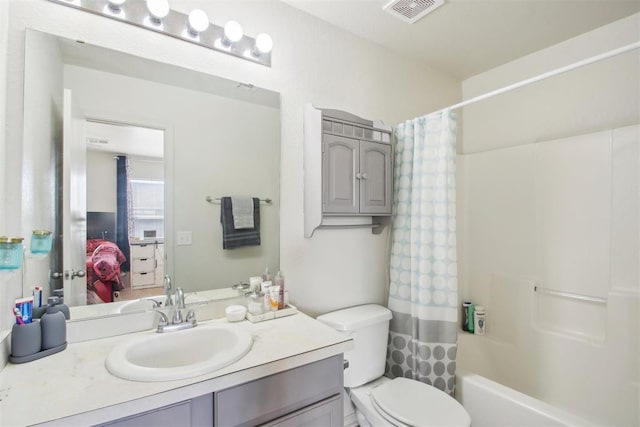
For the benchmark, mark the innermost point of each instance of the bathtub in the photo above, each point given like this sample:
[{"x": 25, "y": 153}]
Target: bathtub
[{"x": 492, "y": 404}]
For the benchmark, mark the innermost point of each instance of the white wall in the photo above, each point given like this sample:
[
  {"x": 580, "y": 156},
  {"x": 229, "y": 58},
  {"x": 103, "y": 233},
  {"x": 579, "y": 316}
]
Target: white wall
[
  {"x": 551, "y": 185},
  {"x": 5, "y": 295},
  {"x": 29, "y": 165},
  {"x": 312, "y": 62},
  {"x": 101, "y": 182}
]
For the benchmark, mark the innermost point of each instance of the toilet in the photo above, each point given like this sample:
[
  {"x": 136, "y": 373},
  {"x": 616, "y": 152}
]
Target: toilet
[{"x": 378, "y": 400}]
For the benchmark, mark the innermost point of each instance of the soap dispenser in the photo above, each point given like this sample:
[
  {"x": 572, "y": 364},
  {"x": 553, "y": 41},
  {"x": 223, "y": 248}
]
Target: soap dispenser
[{"x": 54, "y": 325}]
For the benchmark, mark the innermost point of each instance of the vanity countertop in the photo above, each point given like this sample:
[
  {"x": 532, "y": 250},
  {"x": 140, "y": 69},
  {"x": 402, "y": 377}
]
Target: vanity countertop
[{"x": 73, "y": 387}]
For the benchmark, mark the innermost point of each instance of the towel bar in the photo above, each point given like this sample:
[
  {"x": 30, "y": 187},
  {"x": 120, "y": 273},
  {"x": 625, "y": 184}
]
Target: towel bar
[
  {"x": 570, "y": 295},
  {"x": 217, "y": 199}
]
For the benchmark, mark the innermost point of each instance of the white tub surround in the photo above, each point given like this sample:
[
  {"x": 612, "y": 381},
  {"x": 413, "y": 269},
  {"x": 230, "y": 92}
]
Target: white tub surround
[
  {"x": 74, "y": 388},
  {"x": 492, "y": 404}
]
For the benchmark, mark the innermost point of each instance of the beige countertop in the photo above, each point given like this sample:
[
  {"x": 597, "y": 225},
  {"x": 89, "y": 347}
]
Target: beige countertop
[{"x": 73, "y": 387}]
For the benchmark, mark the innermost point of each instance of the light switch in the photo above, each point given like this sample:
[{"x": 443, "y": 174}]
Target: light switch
[{"x": 184, "y": 238}]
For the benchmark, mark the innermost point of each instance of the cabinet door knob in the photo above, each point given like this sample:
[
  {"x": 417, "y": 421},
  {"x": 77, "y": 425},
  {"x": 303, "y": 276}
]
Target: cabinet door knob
[
  {"x": 358, "y": 175},
  {"x": 363, "y": 175}
]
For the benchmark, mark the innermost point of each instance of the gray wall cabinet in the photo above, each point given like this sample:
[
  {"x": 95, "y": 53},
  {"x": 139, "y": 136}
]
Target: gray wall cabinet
[{"x": 348, "y": 166}]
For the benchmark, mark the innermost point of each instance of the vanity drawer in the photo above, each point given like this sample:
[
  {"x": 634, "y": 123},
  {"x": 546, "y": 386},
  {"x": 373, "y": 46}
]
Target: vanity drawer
[
  {"x": 275, "y": 396},
  {"x": 143, "y": 251},
  {"x": 143, "y": 264},
  {"x": 143, "y": 279}
]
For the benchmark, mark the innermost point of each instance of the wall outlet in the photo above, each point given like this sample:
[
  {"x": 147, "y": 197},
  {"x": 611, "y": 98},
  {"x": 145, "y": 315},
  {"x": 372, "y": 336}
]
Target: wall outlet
[{"x": 184, "y": 238}]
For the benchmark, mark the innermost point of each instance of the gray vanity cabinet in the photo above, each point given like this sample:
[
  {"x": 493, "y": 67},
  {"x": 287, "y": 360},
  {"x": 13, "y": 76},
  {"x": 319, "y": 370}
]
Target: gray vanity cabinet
[
  {"x": 310, "y": 395},
  {"x": 356, "y": 176},
  {"x": 307, "y": 395}
]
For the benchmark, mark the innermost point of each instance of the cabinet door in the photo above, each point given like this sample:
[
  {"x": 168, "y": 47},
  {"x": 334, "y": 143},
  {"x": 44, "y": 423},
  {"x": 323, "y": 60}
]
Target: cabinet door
[
  {"x": 327, "y": 413},
  {"x": 340, "y": 162},
  {"x": 276, "y": 396},
  {"x": 375, "y": 178}
]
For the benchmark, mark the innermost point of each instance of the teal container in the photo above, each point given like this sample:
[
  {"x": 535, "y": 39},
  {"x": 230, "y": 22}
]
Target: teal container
[
  {"x": 41, "y": 241},
  {"x": 10, "y": 253}
]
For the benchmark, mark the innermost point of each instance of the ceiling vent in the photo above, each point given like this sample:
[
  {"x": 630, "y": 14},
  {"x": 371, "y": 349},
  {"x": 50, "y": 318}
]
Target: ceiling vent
[
  {"x": 411, "y": 10},
  {"x": 96, "y": 141}
]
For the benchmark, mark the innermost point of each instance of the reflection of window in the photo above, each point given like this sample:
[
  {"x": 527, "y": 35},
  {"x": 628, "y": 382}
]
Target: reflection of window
[{"x": 147, "y": 208}]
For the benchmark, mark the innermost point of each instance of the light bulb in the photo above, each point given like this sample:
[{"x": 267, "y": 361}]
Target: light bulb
[
  {"x": 158, "y": 9},
  {"x": 116, "y": 4},
  {"x": 198, "y": 21},
  {"x": 232, "y": 32},
  {"x": 264, "y": 44}
]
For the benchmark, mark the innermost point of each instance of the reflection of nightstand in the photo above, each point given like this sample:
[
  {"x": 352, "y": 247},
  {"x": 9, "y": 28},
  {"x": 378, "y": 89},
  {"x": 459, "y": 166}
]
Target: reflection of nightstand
[{"x": 147, "y": 264}]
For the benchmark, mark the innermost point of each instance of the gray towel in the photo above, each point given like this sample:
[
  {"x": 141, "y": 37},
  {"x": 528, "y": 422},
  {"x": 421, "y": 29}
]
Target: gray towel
[
  {"x": 232, "y": 238},
  {"x": 242, "y": 210}
]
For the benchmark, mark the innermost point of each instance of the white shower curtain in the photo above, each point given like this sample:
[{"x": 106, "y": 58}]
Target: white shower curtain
[{"x": 423, "y": 287}]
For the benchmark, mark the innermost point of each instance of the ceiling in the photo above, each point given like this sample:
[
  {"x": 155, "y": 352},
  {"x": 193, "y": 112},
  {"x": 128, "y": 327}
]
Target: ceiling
[
  {"x": 466, "y": 37},
  {"x": 124, "y": 139}
]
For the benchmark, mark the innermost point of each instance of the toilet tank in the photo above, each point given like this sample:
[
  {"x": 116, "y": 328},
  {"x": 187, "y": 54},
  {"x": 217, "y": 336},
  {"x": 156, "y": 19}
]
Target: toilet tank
[{"x": 368, "y": 325}]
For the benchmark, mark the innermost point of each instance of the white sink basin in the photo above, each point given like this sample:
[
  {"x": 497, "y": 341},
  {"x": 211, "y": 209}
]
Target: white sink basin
[
  {"x": 182, "y": 354},
  {"x": 137, "y": 305},
  {"x": 148, "y": 303}
]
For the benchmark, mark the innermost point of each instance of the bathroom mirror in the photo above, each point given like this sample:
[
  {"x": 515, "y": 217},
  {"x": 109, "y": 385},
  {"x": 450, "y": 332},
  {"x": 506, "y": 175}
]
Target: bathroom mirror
[{"x": 221, "y": 138}]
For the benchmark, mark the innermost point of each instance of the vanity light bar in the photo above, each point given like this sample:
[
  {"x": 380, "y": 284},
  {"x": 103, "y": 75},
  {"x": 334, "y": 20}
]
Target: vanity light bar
[{"x": 152, "y": 15}]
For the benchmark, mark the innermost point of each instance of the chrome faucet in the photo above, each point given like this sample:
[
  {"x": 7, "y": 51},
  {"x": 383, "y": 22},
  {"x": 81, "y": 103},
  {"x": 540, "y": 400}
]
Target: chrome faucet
[
  {"x": 177, "y": 322},
  {"x": 179, "y": 305},
  {"x": 168, "y": 290}
]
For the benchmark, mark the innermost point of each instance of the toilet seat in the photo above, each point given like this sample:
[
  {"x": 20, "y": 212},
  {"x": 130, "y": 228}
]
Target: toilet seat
[{"x": 406, "y": 402}]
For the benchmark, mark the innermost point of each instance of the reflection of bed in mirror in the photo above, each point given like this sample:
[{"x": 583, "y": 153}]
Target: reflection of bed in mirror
[{"x": 103, "y": 258}]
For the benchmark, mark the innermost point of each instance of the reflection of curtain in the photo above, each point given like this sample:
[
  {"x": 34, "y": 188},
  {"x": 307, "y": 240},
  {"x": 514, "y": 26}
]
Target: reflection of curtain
[
  {"x": 122, "y": 212},
  {"x": 423, "y": 275}
]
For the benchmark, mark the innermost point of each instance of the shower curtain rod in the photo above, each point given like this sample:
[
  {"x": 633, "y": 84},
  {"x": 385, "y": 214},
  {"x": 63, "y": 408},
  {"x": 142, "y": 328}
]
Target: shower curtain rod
[{"x": 543, "y": 76}]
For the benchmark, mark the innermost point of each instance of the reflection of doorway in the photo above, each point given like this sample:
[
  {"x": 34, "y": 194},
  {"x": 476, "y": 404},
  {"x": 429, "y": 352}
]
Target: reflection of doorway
[{"x": 125, "y": 208}]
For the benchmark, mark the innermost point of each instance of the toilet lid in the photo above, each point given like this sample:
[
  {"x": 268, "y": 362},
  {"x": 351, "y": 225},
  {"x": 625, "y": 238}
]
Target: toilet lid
[{"x": 418, "y": 404}]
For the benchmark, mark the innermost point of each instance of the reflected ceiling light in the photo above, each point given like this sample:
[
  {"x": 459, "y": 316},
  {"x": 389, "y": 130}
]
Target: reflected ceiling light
[
  {"x": 158, "y": 9},
  {"x": 263, "y": 45},
  {"x": 232, "y": 33},
  {"x": 116, "y": 5},
  {"x": 198, "y": 21}
]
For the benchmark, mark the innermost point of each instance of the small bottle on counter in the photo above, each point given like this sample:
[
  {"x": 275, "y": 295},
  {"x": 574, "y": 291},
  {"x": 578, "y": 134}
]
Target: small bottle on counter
[
  {"x": 465, "y": 315},
  {"x": 279, "y": 281},
  {"x": 264, "y": 288},
  {"x": 266, "y": 276},
  {"x": 54, "y": 325},
  {"x": 254, "y": 283},
  {"x": 479, "y": 320},
  {"x": 471, "y": 317}
]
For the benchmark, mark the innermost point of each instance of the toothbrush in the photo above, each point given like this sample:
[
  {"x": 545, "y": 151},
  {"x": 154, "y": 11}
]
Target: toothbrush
[{"x": 16, "y": 312}]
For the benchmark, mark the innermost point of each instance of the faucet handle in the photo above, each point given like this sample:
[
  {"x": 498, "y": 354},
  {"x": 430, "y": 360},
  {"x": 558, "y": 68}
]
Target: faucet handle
[
  {"x": 191, "y": 317},
  {"x": 164, "y": 320}
]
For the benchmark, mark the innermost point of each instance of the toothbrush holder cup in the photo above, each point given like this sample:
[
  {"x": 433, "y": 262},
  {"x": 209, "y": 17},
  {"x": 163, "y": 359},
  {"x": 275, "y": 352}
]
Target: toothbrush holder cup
[{"x": 26, "y": 339}]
